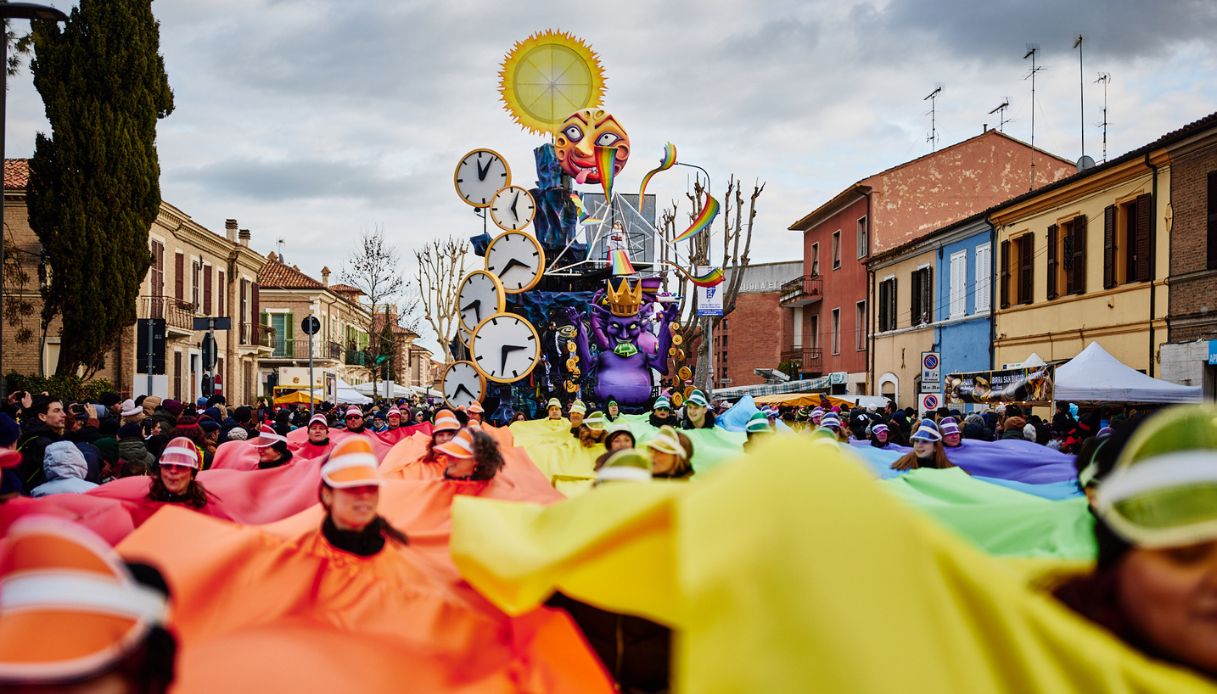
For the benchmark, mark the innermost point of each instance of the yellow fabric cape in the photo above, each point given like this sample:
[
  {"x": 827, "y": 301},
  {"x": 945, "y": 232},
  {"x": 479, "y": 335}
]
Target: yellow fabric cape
[{"x": 790, "y": 570}]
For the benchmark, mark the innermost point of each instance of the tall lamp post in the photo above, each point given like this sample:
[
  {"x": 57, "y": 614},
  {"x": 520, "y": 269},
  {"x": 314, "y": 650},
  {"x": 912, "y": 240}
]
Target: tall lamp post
[{"x": 12, "y": 10}]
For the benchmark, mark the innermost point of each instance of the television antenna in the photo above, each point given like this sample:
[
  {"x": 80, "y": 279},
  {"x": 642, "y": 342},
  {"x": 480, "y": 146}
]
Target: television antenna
[
  {"x": 1105, "y": 78},
  {"x": 1077, "y": 43},
  {"x": 932, "y": 97},
  {"x": 1033, "y": 50},
  {"x": 279, "y": 242},
  {"x": 1001, "y": 114}
]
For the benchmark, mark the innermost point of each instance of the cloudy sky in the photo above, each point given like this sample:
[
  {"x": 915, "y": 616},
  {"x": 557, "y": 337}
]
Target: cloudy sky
[{"x": 313, "y": 120}]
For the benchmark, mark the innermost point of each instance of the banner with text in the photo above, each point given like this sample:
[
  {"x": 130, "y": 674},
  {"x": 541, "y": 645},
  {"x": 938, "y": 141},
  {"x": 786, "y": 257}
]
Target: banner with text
[{"x": 1032, "y": 385}]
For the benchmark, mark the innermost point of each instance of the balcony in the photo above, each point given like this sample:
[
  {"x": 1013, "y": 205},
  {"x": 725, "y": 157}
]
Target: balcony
[
  {"x": 355, "y": 357},
  {"x": 257, "y": 335},
  {"x": 802, "y": 291},
  {"x": 298, "y": 349},
  {"x": 178, "y": 315},
  {"x": 805, "y": 359}
]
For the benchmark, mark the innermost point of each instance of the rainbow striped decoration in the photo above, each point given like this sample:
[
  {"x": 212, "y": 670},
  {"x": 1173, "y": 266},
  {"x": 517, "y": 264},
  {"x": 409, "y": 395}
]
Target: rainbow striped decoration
[
  {"x": 667, "y": 162},
  {"x": 606, "y": 164},
  {"x": 583, "y": 219},
  {"x": 621, "y": 263},
  {"x": 713, "y": 278},
  {"x": 704, "y": 218}
]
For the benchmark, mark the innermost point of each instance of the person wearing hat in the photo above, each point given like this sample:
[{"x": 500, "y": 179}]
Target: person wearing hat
[
  {"x": 671, "y": 452},
  {"x": 272, "y": 449},
  {"x": 661, "y": 413},
  {"x": 104, "y": 634},
  {"x": 593, "y": 430},
  {"x": 951, "y": 437},
  {"x": 471, "y": 456},
  {"x": 831, "y": 421},
  {"x": 619, "y": 437},
  {"x": 758, "y": 426},
  {"x": 697, "y": 412},
  {"x": 64, "y": 468},
  {"x": 393, "y": 418},
  {"x": 354, "y": 420},
  {"x": 612, "y": 410},
  {"x": 577, "y": 412},
  {"x": 1156, "y": 530},
  {"x": 378, "y": 422},
  {"x": 318, "y": 431},
  {"x": 443, "y": 429},
  {"x": 816, "y": 415},
  {"x": 553, "y": 409},
  {"x": 133, "y": 455},
  {"x": 880, "y": 436},
  {"x": 474, "y": 412},
  {"x": 927, "y": 449},
  {"x": 350, "y": 495},
  {"x": 625, "y": 465},
  {"x": 130, "y": 412},
  {"x": 174, "y": 481}
]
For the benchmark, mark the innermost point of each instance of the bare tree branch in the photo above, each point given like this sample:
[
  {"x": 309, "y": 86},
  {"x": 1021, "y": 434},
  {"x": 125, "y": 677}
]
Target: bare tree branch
[
  {"x": 440, "y": 268},
  {"x": 374, "y": 270}
]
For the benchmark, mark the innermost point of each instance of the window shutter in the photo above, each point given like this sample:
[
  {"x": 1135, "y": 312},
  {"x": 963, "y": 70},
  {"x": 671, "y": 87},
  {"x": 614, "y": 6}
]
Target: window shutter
[
  {"x": 915, "y": 298},
  {"x": 289, "y": 327},
  {"x": 1144, "y": 242},
  {"x": 179, "y": 276},
  {"x": 1078, "y": 229},
  {"x": 1109, "y": 247},
  {"x": 884, "y": 292},
  {"x": 1026, "y": 278},
  {"x": 207, "y": 290},
  {"x": 1052, "y": 269},
  {"x": 1005, "y": 274},
  {"x": 255, "y": 301},
  {"x": 927, "y": 300},
  {"x": 222, "y": 288},
  {"x": 892, "y": 316},
  {"x": 1212, "y": 221}
]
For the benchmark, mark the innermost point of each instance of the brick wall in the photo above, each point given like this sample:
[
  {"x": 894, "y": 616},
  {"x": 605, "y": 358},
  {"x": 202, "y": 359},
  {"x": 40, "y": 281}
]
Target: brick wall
[
  {"x": 1193, "y": 288},
  {"x": 756, "y": 331}
]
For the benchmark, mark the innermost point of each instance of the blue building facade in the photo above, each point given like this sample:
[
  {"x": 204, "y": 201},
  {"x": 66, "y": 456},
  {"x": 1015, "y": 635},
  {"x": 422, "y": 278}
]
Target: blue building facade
[{"x": 965, "y": 293}]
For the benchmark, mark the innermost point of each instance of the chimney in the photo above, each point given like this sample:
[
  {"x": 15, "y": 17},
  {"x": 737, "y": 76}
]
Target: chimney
[
  {"x": 230, "y": 229},
  {"x": 272, "y": 257},
  {"x": 244, "y": 236},
  {"x": 325, "y": 275}
]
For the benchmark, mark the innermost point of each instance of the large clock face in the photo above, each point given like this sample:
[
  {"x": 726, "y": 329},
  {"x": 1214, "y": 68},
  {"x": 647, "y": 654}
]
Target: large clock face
[
  {"x": 505, "y": 348},
  {"x": 517, "y": 259},
  {"x": 479, "y": 296},
  {"x": 463, "y": 385},
  {"x": 512, "y": 208},
  {"x": 479, "y": 174}
]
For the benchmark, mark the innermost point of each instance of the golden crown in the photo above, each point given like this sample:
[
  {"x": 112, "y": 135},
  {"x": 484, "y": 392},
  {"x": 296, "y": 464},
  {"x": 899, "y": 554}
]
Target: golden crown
[{"x": 624, "y": 300}]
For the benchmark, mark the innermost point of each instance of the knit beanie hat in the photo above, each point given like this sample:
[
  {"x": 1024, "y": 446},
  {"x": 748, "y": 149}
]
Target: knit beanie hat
[{"x": 758, "y": 423}]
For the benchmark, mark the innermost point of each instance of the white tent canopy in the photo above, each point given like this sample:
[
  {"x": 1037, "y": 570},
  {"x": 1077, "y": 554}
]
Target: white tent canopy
[
  {"x": 385, "y": 389},
  {"x": 348, "y": 395},
  {"x": 1096, "y": 376}
]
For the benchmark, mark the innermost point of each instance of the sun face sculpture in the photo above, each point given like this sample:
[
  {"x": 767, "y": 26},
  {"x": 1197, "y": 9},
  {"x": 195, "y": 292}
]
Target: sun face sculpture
[
  {"x": 576, "y": 140},
  {"x": 548, "y": 76}
]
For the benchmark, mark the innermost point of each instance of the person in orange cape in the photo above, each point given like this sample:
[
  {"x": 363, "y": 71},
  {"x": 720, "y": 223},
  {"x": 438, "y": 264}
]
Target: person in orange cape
[
  {"x": 272, "y": 449},
  {"x": 75, "y": 618},
  {"x": 475, "y": 412},
  {"x": 471, "y": 456},
  {"x": 350, "y": 493},
  {"x": 444, "y": 428},
  {"x": 176, "y": 472}
]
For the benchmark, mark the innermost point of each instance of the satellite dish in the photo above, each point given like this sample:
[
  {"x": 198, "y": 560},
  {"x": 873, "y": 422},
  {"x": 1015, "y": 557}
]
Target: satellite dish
[{"x": 1085, "y": 163}]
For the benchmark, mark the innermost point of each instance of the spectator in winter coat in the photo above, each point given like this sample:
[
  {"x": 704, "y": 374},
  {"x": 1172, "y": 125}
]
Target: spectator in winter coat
[
  {"x": 10, "y": 478},
  {"x": 132, "y": 451},
  {"x": 45, "y": 422},
  {"x": 64, "y": 468}
]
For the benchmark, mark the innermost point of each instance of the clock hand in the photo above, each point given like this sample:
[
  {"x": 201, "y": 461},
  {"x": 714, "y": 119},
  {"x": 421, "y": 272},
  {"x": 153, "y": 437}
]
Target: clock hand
[
  {"x": 483, "y": 170},
  {"x": 476, "y": 305},
  {"x": 513, "y": 262},
  {"x": 508, "y": 349},
  {"x": 461, "y": 388},
  {"x": 514, "y": 202}
]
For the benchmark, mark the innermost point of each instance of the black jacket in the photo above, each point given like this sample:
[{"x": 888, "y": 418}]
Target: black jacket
[{"x": 33, "y": 445}]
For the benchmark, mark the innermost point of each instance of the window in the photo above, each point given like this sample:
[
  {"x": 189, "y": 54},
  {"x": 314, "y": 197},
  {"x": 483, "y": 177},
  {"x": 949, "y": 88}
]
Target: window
[
  {"x": 836, "y": 249},
  {"x": 887, "y": 304},
  {"x": 158, "y": 268},
  {"x": 860, "y": 326},
  {"x": 1128, "y": 241},
  {"x": 1067, "y": 257},
  {"x": 1017, "y": 270},
  {"x": 1212, "y": 221},
  {"x": 283, "y": 326},
  {"x": 922, "y": 297},
  {"x": 221, "y": 292},
  {"x": 863, "y": 238},
  {"x": 207, "y": 290},
  {"x": 814, "y": 336},
  {"x": 815, "y": 260},
  {"x": 196, "y": 267},
  {"x": 959, "y": 283},
  {"x": 179, "y": 276},
  {"x": 984, "y": 280},
  {"x": 836, "y": 331}
]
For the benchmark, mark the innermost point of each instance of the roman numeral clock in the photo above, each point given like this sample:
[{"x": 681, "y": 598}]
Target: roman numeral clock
[{"x": 505, "y": 348}]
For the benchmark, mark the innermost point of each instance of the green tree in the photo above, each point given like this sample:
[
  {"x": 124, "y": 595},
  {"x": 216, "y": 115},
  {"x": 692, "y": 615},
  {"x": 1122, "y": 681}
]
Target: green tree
[{"x": 95, "y": 182}]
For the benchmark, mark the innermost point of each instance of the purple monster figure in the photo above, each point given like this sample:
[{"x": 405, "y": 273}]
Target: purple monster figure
[{"x": 627, "y": 352}]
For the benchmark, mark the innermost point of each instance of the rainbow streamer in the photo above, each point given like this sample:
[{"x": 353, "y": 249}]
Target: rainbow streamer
[
  {"x": 667, "y": 162},
  {"x": 713, "y": 278},
  {"x": 606, "y": 160},
  {"x": 704, "y": 218},
  {"x": 583, "y": 219},
  {"x": 621, "y": 263}
]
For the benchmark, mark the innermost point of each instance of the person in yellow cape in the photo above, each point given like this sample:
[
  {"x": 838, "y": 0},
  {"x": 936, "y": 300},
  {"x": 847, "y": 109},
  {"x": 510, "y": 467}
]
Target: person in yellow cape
[
  {"x": 793, "y": 571},
  {"x": 671, "y": 452}
]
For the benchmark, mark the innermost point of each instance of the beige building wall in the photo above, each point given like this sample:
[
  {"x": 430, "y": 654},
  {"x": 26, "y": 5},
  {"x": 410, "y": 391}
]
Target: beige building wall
[
  {"x": 1127, "y": 320},
  {"x": 897, "y": 357}
]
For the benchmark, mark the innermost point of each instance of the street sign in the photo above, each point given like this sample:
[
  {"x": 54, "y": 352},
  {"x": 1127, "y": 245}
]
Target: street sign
[
  {"x": 150, "y": 347},
  {"x": 212, "y": 323},
  {"x": 210, "y": 356},
  {"x": 931, "y": 372},
  {"x": 930, "y": 402},
  {"x": 837, "y": 378},
  {"x": 710, "y": 299},
  {"x": 310, "y": 325}
]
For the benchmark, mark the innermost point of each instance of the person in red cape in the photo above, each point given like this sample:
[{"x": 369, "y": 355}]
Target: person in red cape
[
  {"x": 354, "y": 421},
  {"x": 393, "y": 417},
  {"x": 175, "y": 479},
  {"x": 350, "y": 493},
  {"x": 75, "y": 618},
  {"x": 318, "y": 442},
  {"x": 272, "y": 449},
  {"x": 471, "y": 456}
]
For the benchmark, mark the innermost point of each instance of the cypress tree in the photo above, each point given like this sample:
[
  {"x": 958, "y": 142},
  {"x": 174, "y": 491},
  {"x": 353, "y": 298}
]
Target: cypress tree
[{"x": 94, "y": 187}]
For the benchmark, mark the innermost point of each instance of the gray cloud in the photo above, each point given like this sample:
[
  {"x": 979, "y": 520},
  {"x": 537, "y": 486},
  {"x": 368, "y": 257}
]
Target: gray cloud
[{"x": 294, "y": 179}]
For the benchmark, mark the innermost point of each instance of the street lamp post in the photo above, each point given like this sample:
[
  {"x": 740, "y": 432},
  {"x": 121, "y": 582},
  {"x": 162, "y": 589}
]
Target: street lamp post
[{"x": 13, "y": 10}]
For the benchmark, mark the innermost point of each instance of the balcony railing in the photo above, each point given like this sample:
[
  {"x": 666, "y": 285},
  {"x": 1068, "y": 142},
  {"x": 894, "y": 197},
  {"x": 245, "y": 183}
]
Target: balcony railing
[
  {"x": 802, "y": 291},
  {"x": 257, "y": 334},
  {"x": 298, "y": 349},
  {"x": 804, "y": 358},
  {"x": 356, "y": 357},
  {"x": 177, "y": 314}
]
